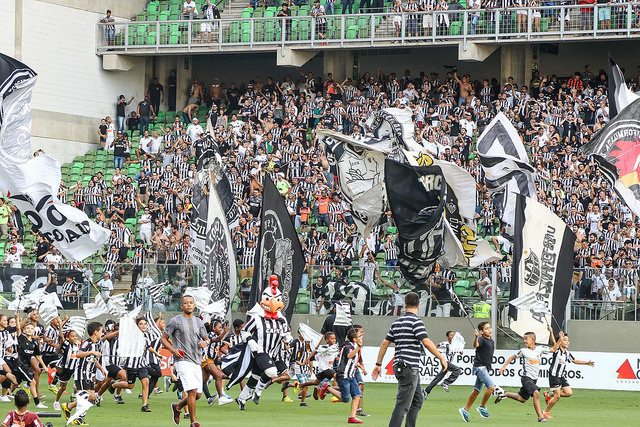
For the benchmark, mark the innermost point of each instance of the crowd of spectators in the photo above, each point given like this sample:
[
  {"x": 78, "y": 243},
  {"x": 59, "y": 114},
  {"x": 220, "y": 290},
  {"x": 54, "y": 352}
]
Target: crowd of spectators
[{"x": 268, "y": 128}]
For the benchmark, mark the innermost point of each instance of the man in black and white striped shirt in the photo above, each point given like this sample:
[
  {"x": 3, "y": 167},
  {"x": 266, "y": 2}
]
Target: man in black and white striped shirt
[{"x": 409, "y": 335}]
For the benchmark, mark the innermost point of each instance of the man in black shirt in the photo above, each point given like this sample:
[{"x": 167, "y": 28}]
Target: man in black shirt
[
  {"x": 171, "y": 94},
  {"x": 118, "y": 152},
  {"x": 156, "y": 94},
  {"x": 42, "y": 249},
  {"x": 144, "y": 112},
  {"x": 120, "y": 112},
  {"x": 233, "y": 95}
]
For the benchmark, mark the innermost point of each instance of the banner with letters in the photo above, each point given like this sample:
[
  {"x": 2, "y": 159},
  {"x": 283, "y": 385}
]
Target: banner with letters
[{"x": 612, "y": 371}]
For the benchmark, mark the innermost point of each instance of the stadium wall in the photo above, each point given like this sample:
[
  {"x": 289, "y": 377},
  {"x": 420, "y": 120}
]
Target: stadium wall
[{"x": 57, "y": 39}]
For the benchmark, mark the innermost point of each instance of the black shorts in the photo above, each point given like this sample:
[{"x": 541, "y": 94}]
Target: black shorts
[
  {"x": 529, "y": 387},
  {"x": 557, "y": 382},
  {"x": 133, "y": 374},
  {"x": 327, "y": 374},
  {"x": 281, "y": 367},
  {"x": 23, "y": 373},
  {"x": 65, "y": 375},
  {"x": 84, "y": 385},
  {"x": 50, "y": 359},
  {"x": 112, "y": 371}
]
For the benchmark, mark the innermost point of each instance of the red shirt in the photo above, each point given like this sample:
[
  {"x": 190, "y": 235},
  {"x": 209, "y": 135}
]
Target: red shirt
[{"x": 27, "y": 419}]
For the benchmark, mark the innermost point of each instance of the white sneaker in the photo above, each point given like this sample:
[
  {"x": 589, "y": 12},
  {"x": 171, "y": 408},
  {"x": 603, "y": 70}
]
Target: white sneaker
[
  {"x": 41, "y": 406},
  {"x": 223, "y": 400},
  {"x": 126, "y": 390},
  {"x": 56, "y": 406},
  {"x": 5, "y": 399}
]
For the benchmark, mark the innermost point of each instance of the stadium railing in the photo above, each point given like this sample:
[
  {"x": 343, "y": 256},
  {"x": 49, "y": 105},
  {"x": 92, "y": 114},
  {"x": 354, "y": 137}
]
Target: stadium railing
[{"x": 545, "y": 23}]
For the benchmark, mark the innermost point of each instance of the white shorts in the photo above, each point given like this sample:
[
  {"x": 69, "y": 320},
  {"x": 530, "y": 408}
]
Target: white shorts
[{"x": 190, "y": 375}]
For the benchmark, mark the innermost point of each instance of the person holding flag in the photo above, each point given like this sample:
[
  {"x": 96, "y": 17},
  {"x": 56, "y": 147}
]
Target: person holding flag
[{"x": 455, "y": 371}]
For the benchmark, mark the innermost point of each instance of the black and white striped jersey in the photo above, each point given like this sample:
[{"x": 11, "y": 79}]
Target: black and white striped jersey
[
  {"x": 68, "y": 361},
  {"x": 7, "y": 343},
  {"x": 52, "y": 334},
  {"x": 155, "y": 344},
  {"x": 86, "y": 366},
  {"x": 559, "y": 362},
  {"x": 347, "y": 367},
  {"x": 109, "y": 350},
  {"x": 268, "y": 333}
]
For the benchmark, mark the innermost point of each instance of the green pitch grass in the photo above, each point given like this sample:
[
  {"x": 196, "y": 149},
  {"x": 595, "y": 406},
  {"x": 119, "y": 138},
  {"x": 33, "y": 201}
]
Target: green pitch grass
[{"x": 585, "y": 408}]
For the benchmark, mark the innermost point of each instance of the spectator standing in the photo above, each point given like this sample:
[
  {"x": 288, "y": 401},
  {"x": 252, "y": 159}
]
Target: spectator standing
[
  {"x": 120, "y": 112},
  {"x": 172, "y": 84},
  {"x": 156, "y": 94},
  {"x": 318, "y": 14},
  {"x": 144, "y": 112},
  {"x": 110, "y": 28},
  {"x": 409, "y": 334}
]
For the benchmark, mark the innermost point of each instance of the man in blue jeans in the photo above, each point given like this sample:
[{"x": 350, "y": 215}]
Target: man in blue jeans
[
  {"x": 409, "y": 335},
  {"x": 118, "y": 151}
]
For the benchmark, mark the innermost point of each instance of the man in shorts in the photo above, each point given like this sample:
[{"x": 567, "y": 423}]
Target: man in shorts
[{"x": 185, "y": 336}]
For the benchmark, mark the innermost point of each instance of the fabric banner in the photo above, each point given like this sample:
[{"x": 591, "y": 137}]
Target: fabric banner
[
  {"x": 417, "y": 204},
  {"x": 616, "y": 149},
  {"x": 130, "y": 338},
  {"x": 506, "y": 166},
  {"x": 612, "y": 371},
  {"x": 212, "y": 246},
  {"x": 620, "y": 96},
  {"x": 35, "y": 194},
  {"x": 38, "y": 279},
  {"x": 543, "y": 263},
  {"x": 279, "y": 250}
]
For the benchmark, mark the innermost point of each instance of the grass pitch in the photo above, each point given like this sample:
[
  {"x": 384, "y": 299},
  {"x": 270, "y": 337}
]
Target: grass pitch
[{"x": 585, "y": 408}]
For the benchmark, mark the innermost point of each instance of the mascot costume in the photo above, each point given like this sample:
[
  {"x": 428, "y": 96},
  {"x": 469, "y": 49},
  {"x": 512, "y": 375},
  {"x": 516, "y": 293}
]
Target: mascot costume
[{"x": 266, "y": 334}]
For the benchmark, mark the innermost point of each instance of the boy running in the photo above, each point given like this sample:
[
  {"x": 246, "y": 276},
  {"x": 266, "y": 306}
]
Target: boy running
[
  {"x": 445, "y": 348},
  {"x": 67, "y": 364},
  {"x": 346, "y": 373},
  {"x": 325, "y": 355},
  {"x": 557, "y": 372},
  {"x": 531, "y": 356},
  {"x": 484, "y": 345},
  {"x": 301, "y": 367}
]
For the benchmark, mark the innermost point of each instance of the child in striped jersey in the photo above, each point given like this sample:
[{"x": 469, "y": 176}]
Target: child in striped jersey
[
  {"x": 212, "y": 361},
  {"x": 67, "y": 364},
  {"x": 9, "y": 342},
  {"x": 558, "y": 370},
  {"x": 301, "y": 367},
  {"x": 325, "y": 356},
  {"x": 346, "y": 373}
]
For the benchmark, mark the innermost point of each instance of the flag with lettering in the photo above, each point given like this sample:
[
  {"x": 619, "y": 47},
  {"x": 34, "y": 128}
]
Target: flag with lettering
[{"x": 543, "y": 265}]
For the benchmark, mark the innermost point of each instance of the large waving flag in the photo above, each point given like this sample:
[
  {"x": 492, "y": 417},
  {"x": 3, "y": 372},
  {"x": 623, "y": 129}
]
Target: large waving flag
[
  {"x": 506, "y": 166},
  {"x": 279, "y": 250},
  {"x": 616, "y": 147},
  {"x": 543, "y": 266},
  {"x": 35, "y": 194},
  {"x": 418, "y": 209}
]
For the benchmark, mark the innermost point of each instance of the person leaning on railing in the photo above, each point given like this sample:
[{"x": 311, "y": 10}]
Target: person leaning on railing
[{"x": 110, "y": 29}]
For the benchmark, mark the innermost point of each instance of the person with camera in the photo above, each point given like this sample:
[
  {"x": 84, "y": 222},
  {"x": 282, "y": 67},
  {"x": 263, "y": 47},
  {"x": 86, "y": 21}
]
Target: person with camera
[{"x": 409, "y": 334}]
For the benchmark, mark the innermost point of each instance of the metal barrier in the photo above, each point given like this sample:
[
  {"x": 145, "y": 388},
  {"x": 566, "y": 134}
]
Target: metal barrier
[{"x": 545, "y": 23}]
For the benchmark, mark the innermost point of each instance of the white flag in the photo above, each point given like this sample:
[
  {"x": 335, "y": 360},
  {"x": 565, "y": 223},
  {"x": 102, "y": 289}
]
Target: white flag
[
  {"x": 48, "y": 309},
  {"x": 35, "y": 196},
  {"x": 78, "y": 324},
  {"x": 533, "y": 302},
  {"x": 343, "y": 314},
  {"x": 216, "y": 309},
  {"x": 18, "y": 286},
  {"x": 130, "y": 338},
  {"x": 201, "y": 295},
  {"x": 457, "y": 343},
  {"x": 95, "y": 309},
  {"x": 117, "y": 305},
  {"x": 309, "y": 334},
  {"x": 82, "y": 406}
]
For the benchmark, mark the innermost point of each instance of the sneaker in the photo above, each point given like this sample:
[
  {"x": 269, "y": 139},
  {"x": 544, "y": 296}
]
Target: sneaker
[
  {"x": 98, "y": 401},
  {"x": 334, "y": 399},
  {"x": 315, "y": 393},
  {"x": 56, "y": 406},
  {"x": 195, "y": 424},
  {"x": 175, "y": 413},
  {"x": 65, "y": 411},
  {"x": 360, "y": 412},
  {"x": 240, "y": 404},
  {"x": 80, "y": 422},
  {"x": 323, "y": 390},
  {"x": 483, "y": 411},
  {"x": 542, "y": 420},
  {"x": 354, "y": 420},
  {"x": 41, "y": 406},
  {"x": 157, "y": 391},
  {"x": 224, "y": 400},
  {"x": 128, "y": 391},
  {"x": 464, "y": 414},
  {"x": 500, "y": 398},
  {"x": 287, "y": 399},
  {"x": 547, "y": 397},
  {"x": 303, "y": 404},
  {"x": 212, "y": 400},
  {"x": 296, "y": 388},
  {"x": 145, "y": 408},
  {"x": 186, "y": 416},
  {"x": 118, "y": 400},
  {"x": 445, "y": 387},
  {"x": 5, "y": 399},
  {"x": 256, "y": 398},
  {"x": 53, "y": 389}
]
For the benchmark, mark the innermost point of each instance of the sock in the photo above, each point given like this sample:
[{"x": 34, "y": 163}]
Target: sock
[{"x": 36, "y": 400}]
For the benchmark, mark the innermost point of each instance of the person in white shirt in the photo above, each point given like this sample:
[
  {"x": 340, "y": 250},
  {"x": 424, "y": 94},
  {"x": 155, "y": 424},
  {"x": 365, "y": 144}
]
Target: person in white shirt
[
  {"x": 189, "y": 9},
  {"x": 610, "y": 295},
  {"x": 145, "y": 227},
  {"x": 105, "y": 285},
  {"x": 111, "y": 134},
  {"x": 531, "y": 356},
  {"x": 194, "y": 130},
  {"x": 53, "y": 257},
  {"x": 153, "y": 144},
  {"x": 13, "y": 258}
]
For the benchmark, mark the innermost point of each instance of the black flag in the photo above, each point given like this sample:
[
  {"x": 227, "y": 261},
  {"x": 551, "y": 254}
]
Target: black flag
[
  {"x": 279, "y": 250},
  {"x": 417, "y": 202}
]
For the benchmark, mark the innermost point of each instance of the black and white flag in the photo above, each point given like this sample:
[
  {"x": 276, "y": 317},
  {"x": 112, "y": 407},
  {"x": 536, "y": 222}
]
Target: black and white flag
[
  {"x": 418, "y": 209},
  {"x": 620, "y": 96},
  {"x": 211, "y": 244},
  {"x": 543, "y": 265},
  {"x": 35, "y": 194},
  {"x": 506, "y": 167},
  {"x": 279, "y": 250}
]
